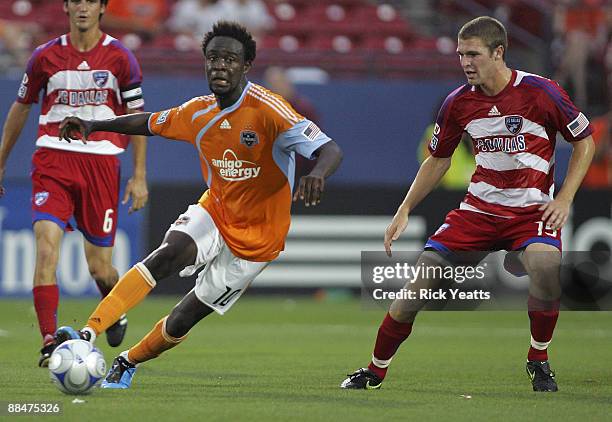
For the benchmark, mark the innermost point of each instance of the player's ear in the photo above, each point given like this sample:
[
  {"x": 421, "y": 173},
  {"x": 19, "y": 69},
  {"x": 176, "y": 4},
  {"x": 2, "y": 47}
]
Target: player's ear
[
  {"x": 247, "y": 67},
  {"x": 65, "y": 7},
  {"x": 499, "y": 52}
]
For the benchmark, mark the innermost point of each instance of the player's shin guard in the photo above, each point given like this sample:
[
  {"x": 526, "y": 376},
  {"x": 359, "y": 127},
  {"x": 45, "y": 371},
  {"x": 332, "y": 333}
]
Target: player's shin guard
[
  {"x": 130, "y": 290},
  {"x": 46, "y": 300},
  {"x": 153, "y": 344},
  {"x": 543, "y": 318},
  {"x": 391, "y": 334}
]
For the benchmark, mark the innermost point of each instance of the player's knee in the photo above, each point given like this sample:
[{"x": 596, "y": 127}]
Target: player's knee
[
  {"x": 46, "y": 255},
  {"x": 178, "y": 323},
  {"x": 401, "y": 315},
  {"x": 168, "y": 259}
]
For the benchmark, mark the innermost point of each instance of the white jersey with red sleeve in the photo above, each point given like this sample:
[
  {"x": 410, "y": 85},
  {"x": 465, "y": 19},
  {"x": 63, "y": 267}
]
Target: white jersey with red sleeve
[
  {"x": 98, "y": 84},
  {"x": 514, "y": 137}
]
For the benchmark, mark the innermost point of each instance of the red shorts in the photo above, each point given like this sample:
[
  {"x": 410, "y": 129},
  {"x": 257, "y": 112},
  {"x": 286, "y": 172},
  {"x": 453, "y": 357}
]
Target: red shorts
[
  {"x": 465, "y": 230},
  {"x": 86, "y": 186}
]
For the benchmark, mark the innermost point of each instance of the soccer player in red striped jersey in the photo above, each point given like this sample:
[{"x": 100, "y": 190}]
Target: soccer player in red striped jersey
[
  {"x": 89, "y": 74},
  {"x": 513, "y": 118}
]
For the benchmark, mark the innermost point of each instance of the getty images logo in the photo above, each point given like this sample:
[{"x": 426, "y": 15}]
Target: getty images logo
[{"x": 234, "y": 170}]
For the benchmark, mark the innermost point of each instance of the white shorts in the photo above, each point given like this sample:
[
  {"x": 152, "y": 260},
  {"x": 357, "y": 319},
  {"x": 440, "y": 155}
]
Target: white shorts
[{"x": 225, "y": 276}]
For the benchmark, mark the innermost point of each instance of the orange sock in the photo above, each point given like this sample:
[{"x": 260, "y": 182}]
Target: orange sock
[
  {"x": 153, "y": 344},
  {"x": 130, "y": 290}
]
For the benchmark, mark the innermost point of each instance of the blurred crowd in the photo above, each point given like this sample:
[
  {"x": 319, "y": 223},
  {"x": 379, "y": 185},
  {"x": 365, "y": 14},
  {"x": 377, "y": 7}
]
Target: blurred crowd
[{"x": 577, "y": 34}]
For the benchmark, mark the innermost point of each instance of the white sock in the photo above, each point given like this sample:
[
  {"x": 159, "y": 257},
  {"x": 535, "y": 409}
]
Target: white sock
[
  {"x": 124, "y": 355},
  {"x": 92, "y": 333}
]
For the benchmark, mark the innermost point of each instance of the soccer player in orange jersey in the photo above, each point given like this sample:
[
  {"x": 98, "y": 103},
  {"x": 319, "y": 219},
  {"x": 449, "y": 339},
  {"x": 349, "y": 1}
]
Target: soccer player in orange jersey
[{"x": 246, "y": 137}]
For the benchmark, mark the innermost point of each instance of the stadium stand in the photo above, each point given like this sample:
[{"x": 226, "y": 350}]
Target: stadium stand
[{"x": 343, "y": 37}]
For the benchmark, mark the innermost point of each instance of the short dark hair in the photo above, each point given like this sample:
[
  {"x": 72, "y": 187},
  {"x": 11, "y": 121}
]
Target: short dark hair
[
  {"x": 488, "y": 29},
  {"x": 236, "y": 31},
  {"x": 105, "y": 2}
]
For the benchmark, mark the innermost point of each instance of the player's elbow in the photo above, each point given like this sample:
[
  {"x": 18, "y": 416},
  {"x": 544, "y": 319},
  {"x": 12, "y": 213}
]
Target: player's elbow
[
  {"x": 332, "y": 150},
  {"x": 586, "y": 147},
  {"x": 441, "y": 164}
]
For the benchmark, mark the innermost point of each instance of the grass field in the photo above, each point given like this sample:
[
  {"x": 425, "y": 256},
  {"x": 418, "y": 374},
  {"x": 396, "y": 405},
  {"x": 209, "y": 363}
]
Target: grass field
[{"x": 282, "y": 359}]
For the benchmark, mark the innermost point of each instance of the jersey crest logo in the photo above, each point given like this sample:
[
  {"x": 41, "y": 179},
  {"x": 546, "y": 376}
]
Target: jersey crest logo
[
  {"x": 514, "y": 124},
  {"x": 249, "y": 138},
  {"x": 100, "y": 78},
  {"x": 40, "y": 198}
]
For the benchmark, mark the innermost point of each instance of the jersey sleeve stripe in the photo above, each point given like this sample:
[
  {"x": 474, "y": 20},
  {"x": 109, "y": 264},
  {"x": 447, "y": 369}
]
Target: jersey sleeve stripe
[
  {"x": 281, "y": 113},
  {"x": 261, "y": 92},
  {"x": 276, "y": 101},
  {"x": 554, "y": 95},
  {"x": 135, "y": 72},
  {"x": 203, "y": 112},
  {"x": 149, "y": 124}
]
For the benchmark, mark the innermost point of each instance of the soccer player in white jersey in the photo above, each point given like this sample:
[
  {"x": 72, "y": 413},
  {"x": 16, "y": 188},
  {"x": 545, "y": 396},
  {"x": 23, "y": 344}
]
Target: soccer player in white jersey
[
  {"x": 89, "y": 74},
  {"x": 513, "y": 118}
]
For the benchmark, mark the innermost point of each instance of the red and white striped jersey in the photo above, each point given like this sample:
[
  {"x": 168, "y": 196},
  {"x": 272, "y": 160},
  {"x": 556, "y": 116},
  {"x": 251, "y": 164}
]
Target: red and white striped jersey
[
  {"x": 514, "y": 137},
  {"x": 94, "y": 85}
]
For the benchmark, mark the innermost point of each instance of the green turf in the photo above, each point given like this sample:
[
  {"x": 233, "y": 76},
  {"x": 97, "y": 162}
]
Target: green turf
[{"x": 279, "y": 359}]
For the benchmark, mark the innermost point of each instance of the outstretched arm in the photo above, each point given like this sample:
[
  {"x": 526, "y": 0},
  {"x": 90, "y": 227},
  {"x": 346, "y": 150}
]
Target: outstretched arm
[
  {"x": 312, "y": 185},
  {"x": 429, "y": 175},
  {"x": 15, "y": 120},
  {"x": 131, "y": 124},
  {"x": 556, "y": 211}
]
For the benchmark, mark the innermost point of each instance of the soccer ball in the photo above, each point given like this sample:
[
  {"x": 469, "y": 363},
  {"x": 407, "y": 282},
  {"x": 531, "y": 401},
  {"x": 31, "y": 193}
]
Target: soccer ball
[{"x": 75, "y": 366}]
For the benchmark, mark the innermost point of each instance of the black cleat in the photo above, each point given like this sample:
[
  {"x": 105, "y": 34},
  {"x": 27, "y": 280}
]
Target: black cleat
[
  {"x": 65, "y": 333},
  {"x": 542, "y": 378},
  {"x": 45, "y": 354},
  {"x": 120, "y": 375},
  {"x": 362, "y": 379},
  {"x": 116, "y": 332}
]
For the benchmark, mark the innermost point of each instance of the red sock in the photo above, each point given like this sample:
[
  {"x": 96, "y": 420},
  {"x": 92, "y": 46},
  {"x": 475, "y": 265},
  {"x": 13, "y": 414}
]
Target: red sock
[
  {"x": 46, "y": 299},
  {"x": 543, "y": 318},
  {"x": 390, "y": 335}
]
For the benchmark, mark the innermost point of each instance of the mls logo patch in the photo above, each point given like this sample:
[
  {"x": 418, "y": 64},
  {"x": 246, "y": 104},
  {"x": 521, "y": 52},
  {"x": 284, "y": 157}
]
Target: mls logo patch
[
  {"x": 433, "y": 144},
  {"x": 40, "y": 198},
  {"x": 249, "y": 138},
  {"x": 163, "y": 116},
  {"x": 183, "y": 219},
  {"x": 442, "y": 228},
  {"x": 514, "y": 124},
  {"x": 100, "y": 77}
]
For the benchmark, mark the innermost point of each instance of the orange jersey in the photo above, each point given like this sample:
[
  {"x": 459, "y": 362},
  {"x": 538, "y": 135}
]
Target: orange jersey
[{"x": 247, "y": 156}]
